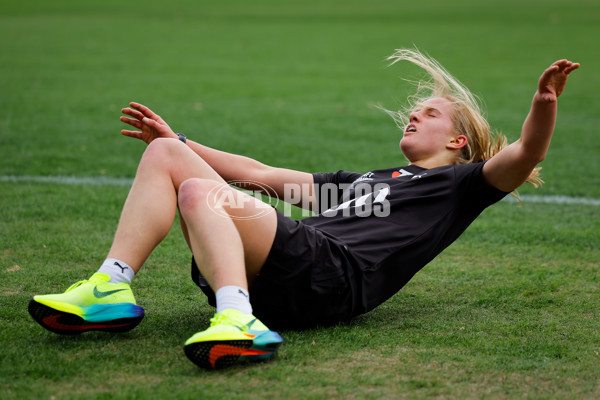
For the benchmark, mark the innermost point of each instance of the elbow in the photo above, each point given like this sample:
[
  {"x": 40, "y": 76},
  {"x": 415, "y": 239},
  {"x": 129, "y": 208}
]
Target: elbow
[
  {"x": 538, "y": 158},
  {"x": 532, "y": 160},
  {"x": 541, "y": 158},
  {"x": 532, "y": 155}
]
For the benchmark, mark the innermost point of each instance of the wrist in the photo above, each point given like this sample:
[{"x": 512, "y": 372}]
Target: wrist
[
  {"x": 181, "y": 137},
  {"x": 545, "y": 97}
]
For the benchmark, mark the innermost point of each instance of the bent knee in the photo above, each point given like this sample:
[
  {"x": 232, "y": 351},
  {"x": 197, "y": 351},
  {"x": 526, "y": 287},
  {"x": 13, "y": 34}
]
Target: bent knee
[
  {"x": 163, "y": 149},
  {"x": 195, "y": 193}
]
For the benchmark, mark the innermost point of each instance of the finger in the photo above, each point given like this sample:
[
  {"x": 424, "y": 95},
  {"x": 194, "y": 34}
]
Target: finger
[
  {"x": 133, "y": 113},
  {"x": 571, "y": 68},
  {"x": 566, "y": 65},
  {"x": 549, "y": 71},
  {"x": 150, "y": 122},
  {"x": 562, "y": 61},
  {"x": 156, "y": 125},
  {"x": 133, "y": 134},
  {"x": 128, "y": 120},
  {"x": 141, "y": 108},
  {"x": 145, "y": 110},
  {"x": 133, "y": 122},
  {"x": 148, "y": 112}
]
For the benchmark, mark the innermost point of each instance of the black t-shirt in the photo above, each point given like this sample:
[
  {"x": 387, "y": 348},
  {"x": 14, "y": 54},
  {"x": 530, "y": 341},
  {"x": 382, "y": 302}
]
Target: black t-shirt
[{"x": 395, "y": 221}]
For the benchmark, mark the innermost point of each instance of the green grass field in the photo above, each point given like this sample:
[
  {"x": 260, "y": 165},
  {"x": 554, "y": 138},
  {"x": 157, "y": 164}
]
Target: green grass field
[{"x": 511, "y": 310}]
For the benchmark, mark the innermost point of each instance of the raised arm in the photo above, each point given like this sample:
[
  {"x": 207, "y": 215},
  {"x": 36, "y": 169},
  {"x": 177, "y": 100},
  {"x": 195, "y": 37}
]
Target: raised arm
[
  {"x": 231, "y": 167},
  {"x": 511, "y": 167}
]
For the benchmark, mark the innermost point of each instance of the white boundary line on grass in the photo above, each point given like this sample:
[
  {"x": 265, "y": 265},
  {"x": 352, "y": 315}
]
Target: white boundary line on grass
[
  {"x": 111, "y": 181},
  {"x": 68, "y": 180},
  {"x": 554, "y": 199}
]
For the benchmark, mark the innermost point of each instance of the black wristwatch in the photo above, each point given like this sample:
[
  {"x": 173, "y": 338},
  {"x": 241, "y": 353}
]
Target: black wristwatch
[{"x": 182, "y": 137}]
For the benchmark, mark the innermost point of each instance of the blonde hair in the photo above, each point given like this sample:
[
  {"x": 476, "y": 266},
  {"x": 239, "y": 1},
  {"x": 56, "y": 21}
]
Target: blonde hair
[{"x": 482, "y": 142}]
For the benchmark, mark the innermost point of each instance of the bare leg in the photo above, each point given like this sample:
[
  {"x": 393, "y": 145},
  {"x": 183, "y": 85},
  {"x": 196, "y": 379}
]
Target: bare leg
[
  {"x": 150, "y": 208},
  {"x": 230, "y": 232}
]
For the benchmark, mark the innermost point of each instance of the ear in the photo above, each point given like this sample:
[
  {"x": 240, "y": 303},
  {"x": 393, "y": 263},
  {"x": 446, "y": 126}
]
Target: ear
[{"x": 457, "y": 142}]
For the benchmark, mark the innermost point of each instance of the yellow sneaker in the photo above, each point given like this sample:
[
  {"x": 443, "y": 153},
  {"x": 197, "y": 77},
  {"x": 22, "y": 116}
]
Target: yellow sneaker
[
  {"x": 232, "y": 336},
  {"x": 93, "y": 304}
]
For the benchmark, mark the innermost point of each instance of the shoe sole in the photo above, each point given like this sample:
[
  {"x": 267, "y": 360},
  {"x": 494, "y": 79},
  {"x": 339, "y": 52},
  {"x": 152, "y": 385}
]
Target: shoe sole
[
  {"x": 65, "y": 323},
  {"x": 224, "y": 353}
]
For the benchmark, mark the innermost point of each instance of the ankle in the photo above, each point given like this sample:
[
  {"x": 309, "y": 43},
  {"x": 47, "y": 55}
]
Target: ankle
[
  {"x": 233, "y": 297},
  {"x": 118, "y": 271}
]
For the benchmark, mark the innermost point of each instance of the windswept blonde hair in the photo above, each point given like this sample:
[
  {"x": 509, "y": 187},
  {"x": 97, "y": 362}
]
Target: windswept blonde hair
[{"x": 482, "y": 142}]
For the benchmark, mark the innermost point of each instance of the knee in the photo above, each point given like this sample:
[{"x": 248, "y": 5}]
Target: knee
[
  {"x": 195, "y": 193},
  {"x": 163, "y": 149}
]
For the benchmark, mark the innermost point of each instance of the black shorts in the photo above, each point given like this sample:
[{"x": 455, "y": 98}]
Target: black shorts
[{"x": 306, "y": 281}]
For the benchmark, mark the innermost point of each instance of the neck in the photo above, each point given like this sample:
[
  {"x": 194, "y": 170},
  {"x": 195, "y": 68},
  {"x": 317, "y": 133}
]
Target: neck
[{"x": 432, "y": 162}]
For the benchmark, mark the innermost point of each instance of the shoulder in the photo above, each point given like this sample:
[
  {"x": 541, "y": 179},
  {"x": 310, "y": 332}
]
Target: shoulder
[
  {"x": 470, "y": 180},
  {"x": 470, "y": 171},
  {"x": 454, "y": 172}
]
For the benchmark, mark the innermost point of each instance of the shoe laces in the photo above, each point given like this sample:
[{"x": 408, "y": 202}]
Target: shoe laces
[
  {"x": 222, "y": 318},
  {"x": 76, "y": 284}
]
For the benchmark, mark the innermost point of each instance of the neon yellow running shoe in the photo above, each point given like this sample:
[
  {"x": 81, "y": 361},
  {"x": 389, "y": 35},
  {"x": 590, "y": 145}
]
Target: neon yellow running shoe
[
  {"x": 93, "y": 304},
  {"x": 232, "y": 335}
]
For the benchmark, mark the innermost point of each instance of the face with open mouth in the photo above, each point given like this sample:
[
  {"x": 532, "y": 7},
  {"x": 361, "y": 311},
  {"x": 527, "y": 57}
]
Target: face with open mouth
[{"x": 430, "y": 131}]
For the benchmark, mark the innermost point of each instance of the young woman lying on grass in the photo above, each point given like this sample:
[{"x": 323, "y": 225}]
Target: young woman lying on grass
[{"x": 370, "y": 233}]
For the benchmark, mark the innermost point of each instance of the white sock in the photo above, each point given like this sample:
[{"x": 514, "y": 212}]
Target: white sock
[
  {"x": 117, "y": 270},
  {"x": 233, "y": 297}
]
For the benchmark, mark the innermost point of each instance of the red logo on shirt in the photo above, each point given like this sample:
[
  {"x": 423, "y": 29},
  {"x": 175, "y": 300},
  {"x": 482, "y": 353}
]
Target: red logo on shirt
[{"x": 401, "y": 172}]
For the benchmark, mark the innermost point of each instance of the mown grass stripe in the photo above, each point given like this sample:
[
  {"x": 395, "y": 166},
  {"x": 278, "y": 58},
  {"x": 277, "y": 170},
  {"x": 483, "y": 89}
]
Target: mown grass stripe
[{"x": 112, "y": 181}]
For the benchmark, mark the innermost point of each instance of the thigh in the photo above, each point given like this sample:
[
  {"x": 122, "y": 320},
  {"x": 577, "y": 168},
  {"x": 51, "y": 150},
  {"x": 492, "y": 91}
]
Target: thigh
[{"x": 255, "y": 221}]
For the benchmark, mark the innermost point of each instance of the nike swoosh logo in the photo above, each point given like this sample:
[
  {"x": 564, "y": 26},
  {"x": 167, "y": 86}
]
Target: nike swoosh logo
[
  {"x": 248, "y": 325},
  {"x": 251, "y": 323},
  {"x": 98, "y": 294},
  {"x": 251, "y": 333}
]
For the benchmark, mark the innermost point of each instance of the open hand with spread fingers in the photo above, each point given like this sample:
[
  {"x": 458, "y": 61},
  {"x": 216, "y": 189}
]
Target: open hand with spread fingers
[{"x": 150, "y": 124}]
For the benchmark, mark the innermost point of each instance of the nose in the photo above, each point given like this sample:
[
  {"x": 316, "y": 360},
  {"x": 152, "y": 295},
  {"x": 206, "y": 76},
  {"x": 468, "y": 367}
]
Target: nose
[{"x": 413, "y": 117}]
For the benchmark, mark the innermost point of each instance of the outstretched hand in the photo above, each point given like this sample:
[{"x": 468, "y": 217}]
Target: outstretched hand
[
  {"x": 553, "y": 80},
  {"x": 151, "y": 125}
]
